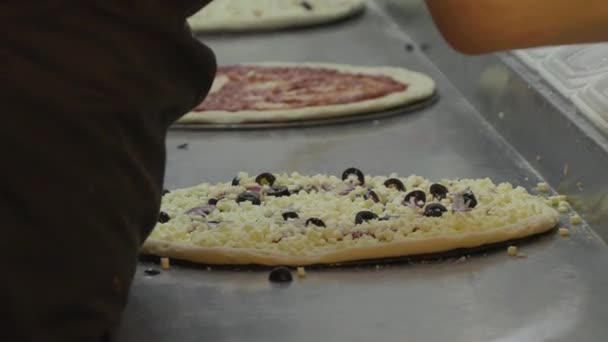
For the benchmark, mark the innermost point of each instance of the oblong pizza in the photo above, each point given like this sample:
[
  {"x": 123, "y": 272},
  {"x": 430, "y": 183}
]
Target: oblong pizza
[
  {"x": 243, "y": 15},
  {"x": 297, "y": 220},
  {"x": 280, "y": 92}
]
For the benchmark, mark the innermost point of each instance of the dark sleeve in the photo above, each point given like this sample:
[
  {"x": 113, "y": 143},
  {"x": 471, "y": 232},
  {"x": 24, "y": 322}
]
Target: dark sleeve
[{"x": 88, "y": 91}]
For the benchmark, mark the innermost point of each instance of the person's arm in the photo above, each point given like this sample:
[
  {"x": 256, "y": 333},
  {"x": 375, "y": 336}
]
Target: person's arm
[{"x": 480, "y": 26}]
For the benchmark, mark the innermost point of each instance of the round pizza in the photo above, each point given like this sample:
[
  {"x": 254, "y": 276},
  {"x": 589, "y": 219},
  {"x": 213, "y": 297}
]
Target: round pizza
[
  {"x": 242, "y": 15},
  {"x": 280, "y": 92},
  {"x": 297, "y": 220}
]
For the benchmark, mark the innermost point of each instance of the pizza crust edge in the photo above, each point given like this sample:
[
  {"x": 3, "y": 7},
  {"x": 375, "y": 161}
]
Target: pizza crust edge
[
  {"x": 420, "y": 87},
  {"x": 279, "y": 21},
  {"x": 530, "y": 226}
]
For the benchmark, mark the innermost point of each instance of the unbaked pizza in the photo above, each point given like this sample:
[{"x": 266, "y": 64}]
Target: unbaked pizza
[
  {"x": 281, "y": 92},
  {"x": 297, "y": 220},
  {"x": 243, "y": 15}
]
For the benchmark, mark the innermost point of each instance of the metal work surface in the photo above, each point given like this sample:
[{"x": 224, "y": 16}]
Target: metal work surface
[{"x": 556, "y": 293}]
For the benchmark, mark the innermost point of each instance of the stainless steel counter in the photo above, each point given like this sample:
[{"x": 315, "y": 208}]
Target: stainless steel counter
[{"x": 556, "y": 293}]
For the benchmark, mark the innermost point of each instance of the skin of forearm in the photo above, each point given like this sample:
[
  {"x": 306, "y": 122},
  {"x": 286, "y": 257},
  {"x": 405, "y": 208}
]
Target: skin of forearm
[{"x": 480, "y": 26}]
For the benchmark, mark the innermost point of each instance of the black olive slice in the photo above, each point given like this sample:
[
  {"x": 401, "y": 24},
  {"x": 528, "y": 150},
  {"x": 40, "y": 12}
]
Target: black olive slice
[
  {"x": 165, "y": 191},
  {"x": 364, "y": 216},
  {"x": 469, "y": 199},
  {"x": 395, "y": 184},
  {"x": 438, "y": 191},
  {"x": 252, "y": 197},
  {"x": 236, "y": 181},
  {"x": 278, "y": 191},
  {"x": 280, "y": 275},
  {"x": 163, "y": 217},
  {"x": 372, "y": 195},
  {"x": 306, "y": 5},
  {"x": 265, "y": 178},
  {"x": 212, "y": 201},
  {"x": 418, "y": 197},
  {"x": 434, "y": 210},
  {"x": 290, "y": 215},
  {"x": 151, "y": 271},
  {"x": 315, "y": 221},
  {"x": 356, "y": 172}
]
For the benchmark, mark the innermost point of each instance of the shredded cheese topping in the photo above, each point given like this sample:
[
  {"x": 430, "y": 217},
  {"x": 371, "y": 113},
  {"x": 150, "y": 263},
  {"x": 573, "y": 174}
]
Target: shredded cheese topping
[{"x": 245, "y": 225}]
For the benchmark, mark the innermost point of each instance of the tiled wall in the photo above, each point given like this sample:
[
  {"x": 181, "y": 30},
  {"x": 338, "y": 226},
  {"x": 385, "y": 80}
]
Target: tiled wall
[{"x": 578, "y": 72}]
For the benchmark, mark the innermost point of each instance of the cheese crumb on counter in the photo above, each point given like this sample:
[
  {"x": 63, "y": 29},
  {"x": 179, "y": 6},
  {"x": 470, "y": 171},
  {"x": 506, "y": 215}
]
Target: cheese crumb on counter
[
  {"x": 564, "y": 232},
  {"x": 575, "y": 219},
  {"x": 542, "y": 187},
  {"x": 301, "y": 272},
  {"x": 512, "y": 251},
  {"x": 164, "y": 263}
]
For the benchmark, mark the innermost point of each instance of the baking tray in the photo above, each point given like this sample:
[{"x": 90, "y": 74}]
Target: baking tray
[
  {"x": 315, "y": 122},
  {"x": 556, "y": 293}
]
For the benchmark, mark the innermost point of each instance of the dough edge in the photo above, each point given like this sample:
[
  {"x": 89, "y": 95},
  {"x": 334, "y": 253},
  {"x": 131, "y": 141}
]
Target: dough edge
[
  {"x": 533, "y": 225},
  {"x": 234, "y": 24},
  {"x": 420, "y": 87}
]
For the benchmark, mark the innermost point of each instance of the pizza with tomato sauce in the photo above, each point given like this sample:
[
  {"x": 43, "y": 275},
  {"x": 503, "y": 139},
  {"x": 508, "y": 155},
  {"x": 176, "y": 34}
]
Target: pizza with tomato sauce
[{"x": 283, "y": 92}]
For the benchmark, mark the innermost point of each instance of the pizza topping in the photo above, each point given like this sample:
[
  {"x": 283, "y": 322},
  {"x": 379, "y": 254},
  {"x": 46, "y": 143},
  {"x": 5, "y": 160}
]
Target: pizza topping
[
  {"x": 236, "y": 181},
  {"x": 165, "y": 263},
  {"x": 165, "y": 191},
  {"x": 371, "y": 195},
  {"x": 364, "y": 216},
  {"x": 415, "y": 199},
  {"x": 512, "y": 250},
  {"x": 307, "y": 6},
  {"x": 278, "y": 191},
  {"x": 212, "y": 201},
  {"x": 434, "y": 210},
  {"x": 163, "y": 217},
  {"x": 204, "y": 210},
  {"x": 464, "y": 201},
  {"x": 394, "y": 183},
  {"x": 438, "y": 191},
  {"x": 265, "y": 179},
  {"x": 315, "y": 221},
  {"x": 350, "y": 172},
  {"x": 248, "y": 196},
  {"x": 575, "y": 219},
  {"x": 269, "y": 88},
  {"x": 290, "y": 215},
  {"x": 564, "y": 232},
  {"x": 274, "y": 226},
  {"x": 280, "y": 275}
]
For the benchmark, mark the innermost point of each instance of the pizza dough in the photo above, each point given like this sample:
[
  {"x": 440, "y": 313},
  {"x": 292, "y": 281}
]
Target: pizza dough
[
  {"x": 280, "y": 92},
  {"x": 242, "y": 15},
  {"x": 298, "y": 220}
]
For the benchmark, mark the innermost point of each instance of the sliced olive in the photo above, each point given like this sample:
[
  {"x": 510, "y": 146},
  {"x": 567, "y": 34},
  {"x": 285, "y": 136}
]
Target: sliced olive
[
  {"x": 247, "y": 196},
  {"x": 236, "y": 181},
  {"x": 306, "y": 5},
  {"x": 438, "y": 191},
  {"x": 372, "y": 195},
  {"x": 212, "y": 201},
  {"x": 151, "y": 271},
  {"x": 434, "y": 210},
  {"x": 469, "y": 199},
  {"x": 356, "y": 172},
  {"x": 356, "y": 235},
  {"x": 278, "y": 191},
  {"x": 163, "y": 217},
  {"x": 290, "y": 215},
  {"x": 418, "y": 197},
  {"x": 280, "y": 275},
  {"x": 165, "y": 191},
  {"x": 395, "y": 184},
  {"x": 315, "y": 221},
  {"x": 265, "y": 179},
  {"x": 364, "y": 216}
]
